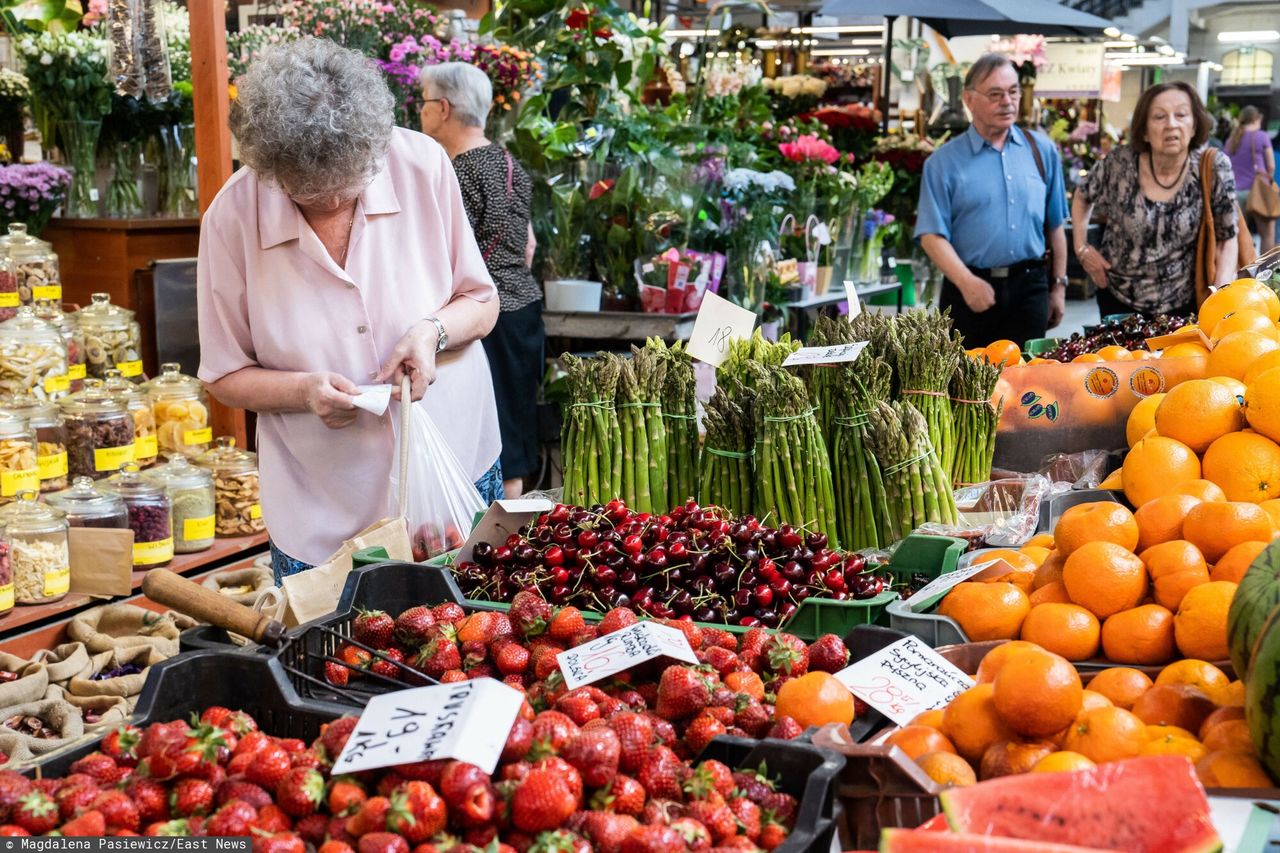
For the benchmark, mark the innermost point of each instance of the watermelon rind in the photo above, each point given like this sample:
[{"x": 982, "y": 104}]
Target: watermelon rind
[
  {"x": 1256, "y": 598},
  {"x": 1142, "y": 805},
  {"x": 914, "y": 841},
  {"x": 1262, "y": 695}
]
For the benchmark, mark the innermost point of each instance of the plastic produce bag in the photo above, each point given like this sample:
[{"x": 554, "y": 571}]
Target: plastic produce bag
[
  {"x": 1083, "y": 470},
  {"x": 441, "y": 502},
  {"x": 1002, "y": 513}
]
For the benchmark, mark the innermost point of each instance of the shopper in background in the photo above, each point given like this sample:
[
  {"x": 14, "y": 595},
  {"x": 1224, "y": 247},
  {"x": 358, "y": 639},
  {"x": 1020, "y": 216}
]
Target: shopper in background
[
  {"x": 1150, "y": 192},
  {"x": 1251, "y": 155},
  {"x": 340, "y": 255},
  {"x": 456, "y": 99},
  {"x": 989, "y": 199}
]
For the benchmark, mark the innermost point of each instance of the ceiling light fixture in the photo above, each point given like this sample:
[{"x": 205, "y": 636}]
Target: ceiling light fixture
[
  {"x": 852, "y": 51},
  {"x": 1249, "y": 36},
  {"x": 808, "y": 31}
]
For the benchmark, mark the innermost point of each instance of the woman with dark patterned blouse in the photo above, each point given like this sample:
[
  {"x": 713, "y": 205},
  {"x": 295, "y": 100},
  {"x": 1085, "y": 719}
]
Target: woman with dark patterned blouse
[
  {"x": 456, "y": 99},
  {"x": 1150, "y": 193}
]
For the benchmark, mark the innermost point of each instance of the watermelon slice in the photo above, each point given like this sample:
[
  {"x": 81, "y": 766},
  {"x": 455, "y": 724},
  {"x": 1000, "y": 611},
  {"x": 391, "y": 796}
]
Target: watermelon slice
[
  {"x": 911, "y": 841},
  {"x": 1143, "y": 805},
  {"x": 1255, "y": 599}
]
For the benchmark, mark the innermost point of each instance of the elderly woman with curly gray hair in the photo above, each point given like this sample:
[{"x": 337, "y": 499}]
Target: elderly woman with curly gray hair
[{"x": 340, "y": 255}]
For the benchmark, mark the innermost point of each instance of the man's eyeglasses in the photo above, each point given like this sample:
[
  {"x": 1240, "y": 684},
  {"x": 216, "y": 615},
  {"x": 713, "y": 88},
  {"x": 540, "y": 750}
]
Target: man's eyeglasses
[
  {"x": 995, "y": 96},
  {"x": 433, "y": 100}
]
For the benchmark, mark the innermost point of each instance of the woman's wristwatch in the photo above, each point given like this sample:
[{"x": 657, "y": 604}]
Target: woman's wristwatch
[{"x": 442, "y": 337}]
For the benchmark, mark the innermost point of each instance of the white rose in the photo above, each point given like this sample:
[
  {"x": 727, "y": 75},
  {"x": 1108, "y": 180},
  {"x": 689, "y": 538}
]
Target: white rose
[{"x": 46, "y": 59}]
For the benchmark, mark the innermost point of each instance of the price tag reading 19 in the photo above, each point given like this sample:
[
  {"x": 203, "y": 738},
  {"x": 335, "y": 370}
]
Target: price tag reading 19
[{"x": 621, "y": 650}]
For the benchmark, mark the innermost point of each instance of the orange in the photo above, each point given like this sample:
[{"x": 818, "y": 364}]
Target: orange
[
  {"x": 1037, "y": 693},
  {"x": 1229, "y": 299},
  {"x": 1175, "y": 567},
  {"x": 1217, "y": 527},
  {"x": 1106, "y": 734},
  {"x": 1202, "y": 674},
  {"x": 1105, "y": 577},
  {"x": 1202, "y": 489},
  {"x": 1245, "y": 465},
  {"x": 1062, "y": 762},
  {"x": 1222, "y": 715},
  {"x": 1268, "y": 296},
  {"x": 1236, "y": 562},
  {"x": 1098, "y": 521},
  {"x": 1035, "y": 554},
  {"x": 1115, "y": 353},
  {"x": 1041, "y": 540},
  {"x": 1003, "y": 352},
  {"x": 1232, "y": 735},
  {"x": 1244, "y": 320},
  {"x": 1016, "y": 559},
  {"x": 972, "y": 724},
  {"x": 1273, "y": 509},
  {"x": 986, "y": 611},
  {"x": 1186, "y": 349},
  {"x": 1142, "y": 635},
  {"x": 1093, "y": 699},
  {"x": 1050, "y": 571},
  {"x": 1262, "y": 403},
  {"x": 1232, "y": 770},
  {"x": 1086, "y": 357},
  {"x": 976, "y": 352},
  {"x": 1197, "y": 412},
  {"x": 993, "y": 660},
  {"x": 1013, "y": 758},
  {"x": 1122, "y": 685},
  {"x": 1141, "y": 354},
  {"x": 915, "y": 741},
  {"x": 1114, "y": 480},
  {"x": 815, "y": 699},
  {"x": 1161, "y": 520},
  {"x": 745, "y": 682},
  {"x": 1170, "y": 745},
  {"x": 1233, "y": 355},
  {"x": 932, "y": 719},
  {"x": 1021, "y": 579},
  {"x": 1051, "y": 593},
  {"x": 1142, "y": 418},
  {"x": 1232, "y": 695},
  {"x": 947, "y": 768},
  {"x": 1259, "y": 367},
  {"x": 1064, "y": 629},
  {"x": 1159, "y": 731},
  {"x": 1181, "y": 705},
  {"x": 1156, "y": 466},
  {"x": 1200, "y": 626}
]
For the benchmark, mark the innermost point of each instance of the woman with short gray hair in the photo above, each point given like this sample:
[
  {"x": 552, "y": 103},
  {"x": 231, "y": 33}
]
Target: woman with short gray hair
[
  {"x": 456, "y": 99},
  {"x": 339, "y": 255}
]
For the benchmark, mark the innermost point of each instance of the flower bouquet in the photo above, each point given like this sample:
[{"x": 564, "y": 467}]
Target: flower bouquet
[
  {"x": 14, "y": 92},
  {"x": 749, "y": 219},
  {"x": 244, "y": 46},
  {"x": 853, "y": 127},
  {"x": 794, "y": 94},
  {"x": 877, "y": 228},
  {"x": 904, "y": 154},
  {"x": 30, "y": 194}
]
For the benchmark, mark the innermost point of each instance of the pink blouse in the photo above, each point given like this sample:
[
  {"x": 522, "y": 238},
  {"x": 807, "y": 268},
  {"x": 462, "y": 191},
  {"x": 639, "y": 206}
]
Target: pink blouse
[{"x": 270, "y": 296}]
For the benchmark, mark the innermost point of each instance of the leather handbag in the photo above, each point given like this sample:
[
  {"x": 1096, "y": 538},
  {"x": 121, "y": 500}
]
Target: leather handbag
[
  {"x": 1263, "y": 201},
  {"x": 1206, "y": 260}
]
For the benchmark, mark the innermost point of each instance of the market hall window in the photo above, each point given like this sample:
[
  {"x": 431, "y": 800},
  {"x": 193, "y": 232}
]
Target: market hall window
[{"x": 1247, "y": 66}]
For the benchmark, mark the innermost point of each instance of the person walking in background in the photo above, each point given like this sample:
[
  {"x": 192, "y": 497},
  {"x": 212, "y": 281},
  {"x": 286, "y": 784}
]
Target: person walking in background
[
  {"x": 1250, "y": 150},
  {"x": 991, "y": 203},
  {"x": 456, "y": 99}
]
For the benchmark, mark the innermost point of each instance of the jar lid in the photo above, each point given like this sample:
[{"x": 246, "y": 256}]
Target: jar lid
[
  {"x": 172, "y": 382},
  {"x": 102, "y": 314},
  {"x": 130, "y": 483},
  {"x": 39, "y": 413},
  {"x": 224, "y": 456},
  {"x": 93, "y": 399},
  {"x": 122, "y": 389},
  {"x": 179, "y": 473},
  {"x": 50, "y": 310},
  {"x": 12, "y": 424},
  {"x": 22, "y": 242},
  {"x": 26, "y": 326},
  {"x": 84, "y": 500},
  {"x": 26, "y": 514}
]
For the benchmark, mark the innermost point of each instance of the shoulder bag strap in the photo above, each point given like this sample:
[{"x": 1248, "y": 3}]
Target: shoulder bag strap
[
  {"x": 497, "y": 238},
  {"x": 1206, "y": 239},
  {"x": 1035, "y": 152}
]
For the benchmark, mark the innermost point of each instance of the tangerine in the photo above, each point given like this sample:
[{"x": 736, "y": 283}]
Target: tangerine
[
  {"x": 1221, "y": 715},
  {"x": 1224, "y": 769},
  {"x": 1236, "y": 562},
  {"x": 1231, "y": 735},
  {"x": 1041, "y": 540},
  {"x": 993, "y": 660},
  {"x": 815, "y": 699},
  {"x": 1012, "y": 757},
  {"x": 1232, "y": 696},
  {"x": 1244, "y": 320},
  {"x": 1122, "y": 684},
  {"x": 1215, "y": 527},
  {"x": 1115, "y": 353},
  {"x": 1268, "y": 296},
  {"x": 947, "y": 769},
  {"x": 1205, "y": 490},
  {"x": 916, "y": 741},
  {"x": 1052, "y": 593},
  {"x": 1175, "y": 567},
  {"x": 1017, "y": 560},
  {"x": 971, "y": 723},
  {"x": 1085, "y": 357},
  {"x": 1142, "y": 418},
  {"x": 1037, "y": 693},
  {"x": 1035, "y": 554},
  {"x": 1202, "y": 674},
  {"x": 1105, "y": 577},
  {"x": 1156, "y": 466},
  {"x": 1106, "y": 734},
  {"x": 1200, "y": 626},
  {"x": 1161, "y": 520},
  {"x": 1050, "y": 571},
  {"x": 1063, "y": 629},
  {"x": 933, "y": 719},
  {"x": 1142, "y": 635},
  {"x": 986, "y": 611},
  {"x": 1246, "y": 465},
  {"x": 1170, "y": 745},
  {"x": 1093, "y": 699},
  {"x": 1003, "y": 352},
  {"x": 1181, "y": 705},
  {"x": 1097, "y": 521},
  {"x": 1229, "y": 299},
  {"x": 1258, "y": 368},
  {"x": 1063, "y": 762},
  {"x": 1262, "y": 403},
  {"x": 1198, "y": 412},
  {"x": 1232, "y": 355},
  {"x": 1186, "y": 349},
  {"x": 1158, "y": 731}
]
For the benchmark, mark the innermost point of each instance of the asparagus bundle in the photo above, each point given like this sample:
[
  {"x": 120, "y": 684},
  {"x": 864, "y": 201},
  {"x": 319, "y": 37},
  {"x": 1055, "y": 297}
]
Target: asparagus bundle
[
  {"x": 743, "y": 353},
  {"x": 975, "y": 420},
  {"x": 925, "y": 356},
  {"x": 793, "y": 470},
  {"x": 591, "y": 440},
  {"x": 726, "y": 471},
  {"x": 644, "y": 436},
  {"x": 829, "y": 382},
  {"x": 680, "y": 413},
  {"x": 862, "y": 515},
  {"x": 917, "y": 488}
]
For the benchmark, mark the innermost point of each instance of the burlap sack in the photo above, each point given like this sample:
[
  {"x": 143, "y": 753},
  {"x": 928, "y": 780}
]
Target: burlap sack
[
  {"x": 111, "y": 712},
  {"x": 13, "y": 751},
  {"x": 255, "y": 579},
  {"x": 32, "y": 681},
  {"x": 63, "y": 717},
  {"x": 124, "y": 686},
  {"x": 64, "y": 662},
  {"x": 121, "y": 626}
]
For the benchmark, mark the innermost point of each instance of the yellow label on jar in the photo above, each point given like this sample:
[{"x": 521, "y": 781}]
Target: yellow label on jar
[
  {"x": 76, "y": 371},
  {"x": 57, "y": 384},
  {"x": 6, "y": 597},
  {"x": 150, "y": 553},
  {"x": 9, "y": 300},
  {"x": 12, "y": 482},
  {"x": 198, "y": 436},
  {"x": 195, "y": 529},
  {"x": 52, "y": 466},
  {"x": 147, "y": 447},
  {"x": 47, "y": 291},
  {"x": 57, "y": 582},
  {"x": 255, "y": 512},
  {"x": 129, "y": 368},
  {"x": 111, "y": 458}
]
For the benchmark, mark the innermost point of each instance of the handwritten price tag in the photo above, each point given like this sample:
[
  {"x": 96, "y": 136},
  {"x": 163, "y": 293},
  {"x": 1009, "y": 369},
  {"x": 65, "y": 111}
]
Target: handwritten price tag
[
  {"x": 468, "y": 721},
  {"x": 825, "y": 355},
  {"x": 905, "y": 679},
  {"x": 855, "y": 301},
  {"x": 622, "y": 650},
  {"x": 718, "y": 321},
  {"x": 939, "y": 586}
]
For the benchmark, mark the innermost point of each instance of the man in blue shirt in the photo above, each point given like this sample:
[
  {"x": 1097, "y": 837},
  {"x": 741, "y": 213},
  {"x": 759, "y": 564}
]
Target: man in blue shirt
[{"x": 987, "y": 203}]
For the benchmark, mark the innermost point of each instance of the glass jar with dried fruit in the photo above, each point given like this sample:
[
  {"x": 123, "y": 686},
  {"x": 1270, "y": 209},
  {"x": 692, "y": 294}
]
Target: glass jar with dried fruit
[
  {"x": 51, "y": 438},
  {"x": 35, "y": 266},
  {"x": 50, "y": 310},
  {"x": 146, "y": 446},
  {"x": 99, "y": 432},
  {"x": 236, "y": 488},
  {"x": 112, "y": 339},
  {"x": 182, "y": 411},
  {"x": 150, "y": 516},
  {"x": 33, "y": 357},
  {"x": 19, "y": 470},
  {"x": 38, "y": 550},
  {"x": 190, "y": 489}
]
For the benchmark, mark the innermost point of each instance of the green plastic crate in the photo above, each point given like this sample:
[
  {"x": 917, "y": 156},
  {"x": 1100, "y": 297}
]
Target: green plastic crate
[
  {"x": 1039, "y": 346},
  {"x": 927, "y": 554}
]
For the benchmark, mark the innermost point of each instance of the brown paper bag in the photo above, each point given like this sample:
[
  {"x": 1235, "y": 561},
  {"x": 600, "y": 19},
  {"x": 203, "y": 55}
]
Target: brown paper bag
[
  {"x": 101, "y": 561},
  {"x": 315, "y": 592}
]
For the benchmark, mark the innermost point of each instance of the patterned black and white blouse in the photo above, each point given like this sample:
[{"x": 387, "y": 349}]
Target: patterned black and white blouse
[
  {"x": 497, "y": 201},
  {"x": 1151, "y": 245}
]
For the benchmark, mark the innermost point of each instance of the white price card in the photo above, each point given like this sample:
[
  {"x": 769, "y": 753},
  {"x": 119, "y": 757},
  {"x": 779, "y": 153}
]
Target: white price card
[
  {"x": 905, "y": 679},
  {"x": 943, "y": 583},
  {"x": 855, "y": 301},
  {"x": 718, "y": 322},
  {"x": 501, "y": 520},
  {"x": 467, "y": 720},
  {"x": 621, "y": 650},
  {"x": 825, "y": 355}
]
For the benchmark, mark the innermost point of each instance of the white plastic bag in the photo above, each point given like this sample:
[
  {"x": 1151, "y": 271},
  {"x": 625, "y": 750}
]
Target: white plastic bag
[{"x": 441, "y": 501}]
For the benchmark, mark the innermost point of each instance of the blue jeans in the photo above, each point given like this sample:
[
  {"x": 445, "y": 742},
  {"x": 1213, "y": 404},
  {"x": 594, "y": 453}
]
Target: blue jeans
[{"x": 489, "y": 486}]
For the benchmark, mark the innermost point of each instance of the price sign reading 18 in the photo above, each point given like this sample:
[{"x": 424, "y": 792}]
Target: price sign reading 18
[
  {"x": 904, "y": 679},
  {"x": 718, "y": 322}
]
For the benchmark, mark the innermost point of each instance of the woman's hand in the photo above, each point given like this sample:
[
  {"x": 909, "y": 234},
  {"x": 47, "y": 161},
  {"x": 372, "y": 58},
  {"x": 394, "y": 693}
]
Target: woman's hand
[
  {"x": 415, "y": 355},
  {"x": 329, "y": 396},
  {"x": 1095, "y": 265}
]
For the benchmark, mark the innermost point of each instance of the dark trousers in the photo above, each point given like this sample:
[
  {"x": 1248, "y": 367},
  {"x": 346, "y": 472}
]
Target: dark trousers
[
  {"x": 1109, "y": 303},
  {"x": 515, "y": 351},
  {"x": 1021, "y": 311}
]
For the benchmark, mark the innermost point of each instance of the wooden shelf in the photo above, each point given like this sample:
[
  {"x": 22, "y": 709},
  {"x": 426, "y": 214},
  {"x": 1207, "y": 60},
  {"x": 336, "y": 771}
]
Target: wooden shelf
[{"x": 618, "y": 325}]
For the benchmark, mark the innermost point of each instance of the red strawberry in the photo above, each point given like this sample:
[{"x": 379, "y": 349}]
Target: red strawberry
[
  {"x": 356, "y": 659},
  {"x": 346, "y": 796},
  {"x": 270, "y": 819},
  {"x": 662, "y": 774},
  {"x": 333, "y": 738},
  {"x": 469, "y": 793},
  {"x": 423, "y": 771},
  {"x": 36, "y": 812},
  {"x": 623, "y": 795},
  {"x": 73, "y": 799},
  {"x": 382, "y": 842},
  {"x": 586, "y": 635},
  {"x": 254, "y": 795},
  {"x": 555, "y": 728},
  {"x": 122, "y": 745},
  {"x": 691, "y": 632},
  {"x": 151, "y": 798},
  {"x": 720, "y": 659},
  {"x": 752, "y": 648},
  {"x": 595, "y": 753},
  {"x": 91, "y": 824},
  {"x": 782, "y": 806},
  {"x": 269, "y": 767},
  {"x": 335, "y": 847},
  {"x": 697, "y": 838},
  {"x": 512, "y": 659},
  {"x": 119, "y": 811},
  {"x": 772, "y": 834},
  {"x": 336, "y": 674},
  {"x": 98, "y": 765},
  {"x": 719, "y": 637},
  {"x": 190, "y": 797},
  {"x": 312, "y": 828},
  {"x": 635, "y": 734},
  {"x": 566, "y": 624},
  {"x": 530, "y": 614},
  {"x": 280, "y": 842},
  {"x": 578, "y": 706},
  {"x": 237, "y": 722},
  {"x": 168, "y": 829},
  {"x": 438, "y": 657},
  {"x": 787, "y": 654},
  {"x": 388, "y": 668},
  {"x": 716, "y": 817},
  {"x": 9, "y": 830},
  {"x": 449, "y": 612},
  {"x": 751, "y": 717},
  {"x": 753, "y": 783},
  {"x": 828, "y": 654},
  {"x": 653, "y": 839},
  {"x": 544, "y": 800},
  {"x": 617, "y": 619},
  {"x": 682, "y": 692},
  {"x": 13, "y": 787},
  {"x": 372, "y": 817},
  {"x": 702, "y": 731},
  {"x": 748, "y": 815},
  {"x": 233, "y": 819},
  {"x": 300, "y": 792},
  {"x": 417, "y": 812},
  {"x": 716, "y": 775},
  {"x": 519, "y": 740},
  {"x": 545, "y": 664},
  {"x": 373, "y": 628},
  {"x": 786, "y": 728},
  {"x": 607, "y": 831}
]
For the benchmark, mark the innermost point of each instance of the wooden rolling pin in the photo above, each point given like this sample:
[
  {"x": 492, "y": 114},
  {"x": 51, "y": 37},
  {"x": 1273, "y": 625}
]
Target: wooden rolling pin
[{"x": 164, "y": 587}]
